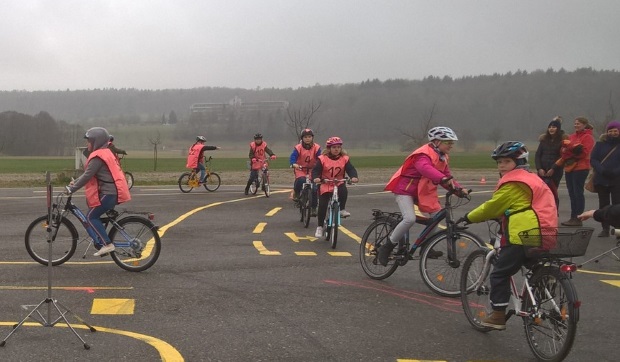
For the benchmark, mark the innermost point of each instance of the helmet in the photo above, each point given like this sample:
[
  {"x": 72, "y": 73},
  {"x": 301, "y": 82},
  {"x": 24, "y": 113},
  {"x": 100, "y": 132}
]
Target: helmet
[
  {"x": 333, "y": 141},
  {"x": 98, "y": 136},
  {"x": 111, "y": 138},
  {"x": 442, "y": 134},
  {"x": 512, "y": 149},
  {"x": 201, "y": 139},
  {"x": 258, "y": 135},
  {"x": 307, "y": 132}
]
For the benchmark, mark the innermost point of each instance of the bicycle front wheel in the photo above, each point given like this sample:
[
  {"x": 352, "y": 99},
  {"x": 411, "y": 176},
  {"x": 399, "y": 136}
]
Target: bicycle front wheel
[
  {"x": 438, "y": 273},
  {"x": 129, "y": 178},
  {"x": 266, "y": 188},
  {"x": 212, "y": 182},
  {"x": 184, "y": 182},
  {"x": 145, "y": 244},
  {"x": 254, "y": 186},
  {"x": 306, "y": 206},
  {"x": 476, "y": 301},
  {"x": 64, "y": 241},
  {"x": 333, "y": 234},
  {"x": 376, "y": 234},
  {"x": 550, "y": 326}
]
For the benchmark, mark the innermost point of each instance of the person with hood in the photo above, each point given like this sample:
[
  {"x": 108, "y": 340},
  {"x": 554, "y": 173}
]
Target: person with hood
[
  {"x": 547, "y": 153},
  {"x": 105, "y": 186},
  {"x": 575, "y": 158},
  {"x": 605, "y": 160},
  {"x": 522, "y": 202},
  {"x": 302, "y": 160}
]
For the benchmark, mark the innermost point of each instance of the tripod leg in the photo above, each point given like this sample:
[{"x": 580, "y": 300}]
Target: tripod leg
[
  {"x": 15, "y": 327},
  {"x": 596, "y": 258},
  {"x": 62, "y": 316},
  {"x": 91, "y": 328}
]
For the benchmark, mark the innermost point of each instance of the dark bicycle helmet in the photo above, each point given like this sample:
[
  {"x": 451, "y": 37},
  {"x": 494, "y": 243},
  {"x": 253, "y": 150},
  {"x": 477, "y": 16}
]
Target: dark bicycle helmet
[
  {"x": 258, "y": 136},
  {"x": 201, "y": 139},
  {"x": 512, "y": 149},
  {"x": 307, "y": 132}
]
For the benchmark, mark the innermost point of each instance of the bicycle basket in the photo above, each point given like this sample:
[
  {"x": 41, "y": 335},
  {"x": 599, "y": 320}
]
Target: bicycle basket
[{"x": 569, "y": 242}]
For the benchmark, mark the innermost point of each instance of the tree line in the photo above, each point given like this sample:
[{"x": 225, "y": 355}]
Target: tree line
[{"x": 369, "y": 114}]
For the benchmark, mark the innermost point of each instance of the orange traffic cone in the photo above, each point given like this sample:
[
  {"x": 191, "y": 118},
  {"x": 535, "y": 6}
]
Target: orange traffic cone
[{"x": 483, "y": 181}]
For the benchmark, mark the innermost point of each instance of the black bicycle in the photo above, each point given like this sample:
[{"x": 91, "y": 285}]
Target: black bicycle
[
  {"x": 441, "y": 252},
  {"x": 306, "y": 197}
]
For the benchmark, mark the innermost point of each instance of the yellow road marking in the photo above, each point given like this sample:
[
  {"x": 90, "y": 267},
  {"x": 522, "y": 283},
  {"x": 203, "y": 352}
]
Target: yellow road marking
[
  {"x": 599, "y": 273},
  {"x": 339, "y": 253},
  {"x": 273, "y": 212},
  {"x": 114, "y": 306},
  {"x": 296, "y": 238},
  {"x": 263, "y": 250},
  {"x": 305, "y": 253},
  {"x": 259, "y": 228},
  {"x": 350, "y": 234},
  {"x": 166, "y": 351},
  {"x": 64, "y": 288},
  {"x": 615, "y": 283}
]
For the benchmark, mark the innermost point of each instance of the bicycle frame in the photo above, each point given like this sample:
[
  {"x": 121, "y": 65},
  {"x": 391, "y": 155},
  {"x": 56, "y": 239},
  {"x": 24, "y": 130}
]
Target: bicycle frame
[{"x": 329, "y": 222}]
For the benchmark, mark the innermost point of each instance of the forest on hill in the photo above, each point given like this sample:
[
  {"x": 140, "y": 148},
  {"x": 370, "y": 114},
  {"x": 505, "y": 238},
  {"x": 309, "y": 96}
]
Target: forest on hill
[{"x": 369, "y": 114}]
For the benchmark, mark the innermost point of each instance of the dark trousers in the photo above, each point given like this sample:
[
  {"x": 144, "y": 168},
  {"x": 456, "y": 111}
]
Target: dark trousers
[
  {"x": 324, "y": 200},
  {"x": 575, "y": 180},
  {"x": 510, "y": 260},
  {"x": 607, "y": 195}
]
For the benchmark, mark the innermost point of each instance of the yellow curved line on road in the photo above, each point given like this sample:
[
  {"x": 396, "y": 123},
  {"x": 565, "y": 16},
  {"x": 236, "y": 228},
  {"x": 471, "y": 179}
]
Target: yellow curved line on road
[
  {"x": 166, "y": 351},
  {"x": 599, "y": 273}
]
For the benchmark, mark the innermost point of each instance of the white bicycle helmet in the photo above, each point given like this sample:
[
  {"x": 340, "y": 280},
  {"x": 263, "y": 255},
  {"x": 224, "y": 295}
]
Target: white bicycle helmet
[{"x": 442, "y": 134}]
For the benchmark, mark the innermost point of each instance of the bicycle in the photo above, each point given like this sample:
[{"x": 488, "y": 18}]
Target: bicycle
[
  {"x": 135, "y": 237},
  {"x": 128, "y": 175},
  {"x": 332, "y": 218},
  {"x": 441, "y": 252},
  {"x": 263, "y": 183},
  {"x": 547, "y": 301},
  {"x": 306, "y": 197},
  {"x": 190, "y": 180}
]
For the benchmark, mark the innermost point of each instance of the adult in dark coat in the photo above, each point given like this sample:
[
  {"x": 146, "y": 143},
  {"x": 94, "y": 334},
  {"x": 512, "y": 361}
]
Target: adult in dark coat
[{"x": 548, "y": 153}]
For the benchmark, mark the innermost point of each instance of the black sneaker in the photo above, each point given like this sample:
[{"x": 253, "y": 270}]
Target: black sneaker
[{"x": 384, "y": 252}]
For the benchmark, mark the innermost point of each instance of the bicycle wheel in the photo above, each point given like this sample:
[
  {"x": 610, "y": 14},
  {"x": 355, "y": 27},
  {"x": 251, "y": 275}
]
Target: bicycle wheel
[
  {"x": 376, "y": 234},
  {"x": 333, "y": 232},
  {"x": 145, "y": 244},
  {"x": 212, "y": 182},
  {"x": 441, "y": 277},
  {"x": 551, "y": 325},
  {"x": 254, "y": 186},
  {"x": 129, "y": 178},
  {"x": 306, "y": 206},
  {"x": 266, "y": 188},
  {"x": 185, "y": 181},
  {"x": 476, "y": 303},
  {"x": 63, "y": 245},
  {"x": 301, "y": 204}
]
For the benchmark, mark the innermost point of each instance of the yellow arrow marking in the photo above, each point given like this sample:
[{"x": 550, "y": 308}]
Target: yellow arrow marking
[
  {"x": 615, "y": 283},
  {"x": 112, "y": 306},
  {"x": 259, "y": 228},
  {"x": 305, "y": 253},
  {"x": 263, "y": 250},
  {"x": 296, "y": 238},
  {"x": 273, "y": 212}
]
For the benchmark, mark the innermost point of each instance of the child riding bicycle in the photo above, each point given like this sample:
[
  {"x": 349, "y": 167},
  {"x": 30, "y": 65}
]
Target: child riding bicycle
[
  {"x": 304, "y": 156},
  {"x": 332, "y": 164},
  {"x": 522, "y": 201},
  {"x": 416, "y": 182},
  {"x": 258, "y": 149},
  {"x": 195, "y": 156},
  {"x": 105, "y": 186}
]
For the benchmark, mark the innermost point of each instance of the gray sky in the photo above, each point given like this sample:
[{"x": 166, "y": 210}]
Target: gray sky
[{"x": 157, "y": 44}]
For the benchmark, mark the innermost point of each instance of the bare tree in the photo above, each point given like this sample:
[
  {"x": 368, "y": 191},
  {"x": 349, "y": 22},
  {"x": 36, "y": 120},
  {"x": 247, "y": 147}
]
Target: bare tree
[
  {"x": 417, "y": 136},
  {"x": 302, "y": 117},
  {"x": 155, "y": 142},
  {"x": 495, "y": 135}
]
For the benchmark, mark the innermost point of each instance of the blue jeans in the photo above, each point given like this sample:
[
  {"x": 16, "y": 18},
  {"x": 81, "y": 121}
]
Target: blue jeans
[
  {"x": 203, "y": 171},
  {"x": 95, "y": 228},
  {"x": 575, "y": 181}
]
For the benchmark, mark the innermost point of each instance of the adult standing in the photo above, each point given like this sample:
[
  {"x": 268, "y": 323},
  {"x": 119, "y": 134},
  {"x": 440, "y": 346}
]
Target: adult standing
[
  {"x": 575, "y": 158},
  {"x": 547, "y": 153},
  {"x": 605, "y": 160}
]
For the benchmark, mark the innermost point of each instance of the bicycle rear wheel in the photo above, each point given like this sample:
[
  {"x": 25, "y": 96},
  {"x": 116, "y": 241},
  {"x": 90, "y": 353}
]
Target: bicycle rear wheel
[
  {"x": 185, "y": 182},
  {"x": 266, "y": 188},
  {"x": 476, "y": 302},
  {"x": 212, "y": 181},
  {"x": 145, "y": 244},
  {"x": 376, "y": 234},
  {"x": 63, "y": 245},
  {"x": 129, "y": 178},
  {"x": 440, "y": 275},
  {"x": 550, "y": 326}
]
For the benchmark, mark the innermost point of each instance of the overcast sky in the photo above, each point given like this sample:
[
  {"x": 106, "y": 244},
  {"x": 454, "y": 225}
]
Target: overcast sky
[{"x": 153, "y": 44}]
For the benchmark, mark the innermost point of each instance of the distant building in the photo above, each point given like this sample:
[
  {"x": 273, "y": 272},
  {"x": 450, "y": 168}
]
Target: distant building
[{"x": 238, "y": 107}]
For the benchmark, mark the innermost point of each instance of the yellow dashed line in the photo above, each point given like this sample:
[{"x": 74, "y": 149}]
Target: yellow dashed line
[
  {"x": 305, "y": 253},
  {"x": 339, "y": 253},
  {"x": 113, "y": 306},
  {"x": 273, "y": 212},
  {"x": 259, "y": 228}
]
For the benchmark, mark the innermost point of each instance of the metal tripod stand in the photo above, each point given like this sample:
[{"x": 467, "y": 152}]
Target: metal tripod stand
[{"x": 52, "y": 304}]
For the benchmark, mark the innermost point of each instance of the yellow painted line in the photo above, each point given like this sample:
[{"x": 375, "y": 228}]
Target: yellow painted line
[
  {"x": 259, "y": 228},
  {"x": 64, "y": 288},
  {"x": 339, "y": 253},
  {"x": 598, "y": 273},
  {"x": 113, "y": 306},
  {"x": 419, "y": 360},
  {"x": 305, "y": 253},
  {"x": 350, "y": 234},
  {"x": 296, "y": 238},
  {"x": 166, "y": 351},
  {"x": 263, "y": 250},
  {"x": 615, "y": 283},
  {"x": 273, "y": 212}
]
